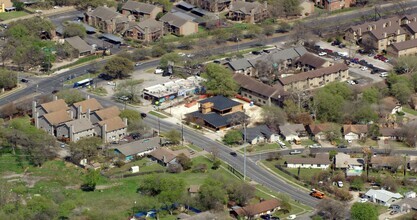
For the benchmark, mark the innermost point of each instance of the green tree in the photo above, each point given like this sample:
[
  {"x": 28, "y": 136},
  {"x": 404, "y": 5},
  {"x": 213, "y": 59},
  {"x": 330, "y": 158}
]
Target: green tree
[
  {"x": 291, "y": 109},
  {"x": 291, "y": 7},
  {"x": 284, "y": 26},
  {"x": 185, "y": 161},
  {"x": 91, "y": 180},
  {"x": 186, "y": 44},
  {"x": 273, "y": 116},
  {"x": 332, "y": 154},
  {"x": 140, "y": 54},
  {"x": 219, "y": 80},
  {"x": 74, "y": 29},
  {"x": 85, "y": 148},
  {"x": 233, "y": 137},
  {"x": 241, "y": 192},
  {"x": 357, "y": 184},
  {"x": 8, "y": 79},
  {"x": 328, "y": 106},
  {"x": 130, "y": 89},
  {"x": 363, "y": 211},
  {"x": 118, "y": 67},
  {"x": 18, "y": 5},
  {"x": 401, "y": 91},
  {"x": 364, "y": 113},
  {"x": 212, "y": 195},
  {"x": 374, "y": 131},
  {"x": 130, "y": 114},
  {"x": 371, "y": 95},
  {"x": 70, "y": 96},
  {"x": 173, "y": 136},
  {"x": 170, "y": 57},
  {"x": 339, "y": 88},
  {"x": 158, "y": 51}
]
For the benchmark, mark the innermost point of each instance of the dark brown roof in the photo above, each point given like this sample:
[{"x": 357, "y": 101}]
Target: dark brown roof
[
  {"x": 308, "y": 160},
  {"x": 314, "y": 74},
  {"x": 312, "y": 60},
  {"x": 379, "y": 33},
  {"x": 163, "y": 154},
  {"x": 150, "y": 23},
  {"x": 255, "y": 209},
  {"x": 105, "y": 13},
  {"x": 357, "y": 129},
  {"x": 412, "y": 27},
  {"x": 405, "y": 45},
  {"x": 317, "y": 128},
  {"x": 254, "y": 85},
  {"x": 247, "y": 7},
  {"x": 174, "y": 20}
]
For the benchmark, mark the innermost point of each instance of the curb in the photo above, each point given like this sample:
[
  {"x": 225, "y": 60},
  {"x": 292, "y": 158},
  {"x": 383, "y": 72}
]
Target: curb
[{"x": 21, "y": 87}]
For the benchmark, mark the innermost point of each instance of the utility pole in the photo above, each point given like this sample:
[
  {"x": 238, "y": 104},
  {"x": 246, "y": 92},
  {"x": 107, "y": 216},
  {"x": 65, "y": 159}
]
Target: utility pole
[
  {"x": 244, "y": 154},
  {"x": 182, "y": 133},
  {"x": 159, "y": 127}
]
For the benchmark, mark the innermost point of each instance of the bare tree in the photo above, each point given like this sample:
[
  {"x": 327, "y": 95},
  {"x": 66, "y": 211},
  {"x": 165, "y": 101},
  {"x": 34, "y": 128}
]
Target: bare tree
[{"x": 332, "y": 209}]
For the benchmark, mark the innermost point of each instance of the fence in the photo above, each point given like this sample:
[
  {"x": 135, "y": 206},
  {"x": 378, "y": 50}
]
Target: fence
[
  {"x": 279, "y": 167},
  {"x": 125, "y": 175}
]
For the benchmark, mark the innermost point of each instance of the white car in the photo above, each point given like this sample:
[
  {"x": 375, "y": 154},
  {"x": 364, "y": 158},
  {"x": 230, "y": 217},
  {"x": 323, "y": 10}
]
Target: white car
[
  {"x": 363, "y": 200},
  {"x": 295, "y": 152},
  {"x": 364, "y": 68},
  {"x": 292, "y": 217},
  {"x": 315, "y": 146},
  {"x": 159, "y": 71},
  {"x": 340, "y": 184},
  {"x": 384, "y": 74},
  {"x": 322, "y": 54},
  {"x": 351, "y": 82},
  {"x": 111, "y": 83}
]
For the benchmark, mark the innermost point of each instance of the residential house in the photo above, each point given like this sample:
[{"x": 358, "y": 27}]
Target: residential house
[
  {"x": 319, "y": 131},
  {"x": 80, "y": 45},
  {"x": 355, "y": 132},
  {"x": 258, "y": 92},
  {"x": 107, "y": 20},
  {"x": 241, "y": 66},
  {"x": 50, "y": 121},
  {"x": 141, "y": 11},
  {"x": 308, "y": 62},
  {"x": 382, "y": 197},
  {"x": 218, "y": 113},
  {"x": 83, "y": 109},
  {"x": 112, "y": 129},
  {"x": 75, "y": 130},
  {"x": 166, "y": 156},
  {"x": 249, "y": 12},
  {"x": 177, "y": 25},
  {"x": 404, "y": 48},
  {"x": 148, "y": 30},
  {"x": 211, "y": 5},
  {"x": 254, "y": 211},
  {"x": 49, "y": 107},
  {"x": 260, "y": 134},
  {"x": 387, "y": 162},
  {"x": 138, "y": 148},
  {"x": 6, "y": 5},
  {"x": 293, "y": 132},
  {"x": 104, "y": 114},
  {"x": 321, "y": 161},
  {"x": 389, "y": 133},
  {"x": 315, "y": 78},
  {"x": 352, "y": 166},
  {"x": 404, "y": 205},
  {"x": 332, "y": 5}
]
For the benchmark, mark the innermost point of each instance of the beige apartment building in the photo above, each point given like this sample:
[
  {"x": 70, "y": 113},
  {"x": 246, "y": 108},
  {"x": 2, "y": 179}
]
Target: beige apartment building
[
  {"x": 316, "y": 78},
  {"x": 141, "y": 10},
  {"x": 177, "y": 25},
  {"x": 405, "y": 48}
]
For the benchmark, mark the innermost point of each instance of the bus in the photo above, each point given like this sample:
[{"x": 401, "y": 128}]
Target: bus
[{"x": 83, "y": 83}]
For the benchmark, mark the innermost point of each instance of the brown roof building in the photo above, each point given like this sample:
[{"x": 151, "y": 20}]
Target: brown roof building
[
  {"x": 54, "y": 106},
  {"x": 256, "y": 210},
  {"x": 250, "y": 12},
  {"x": 405, "y": 48},
  {"x": 148, "y": 30},
  {"x": 107, "y": 113},
  {"x": 309, "y": 62},
  {"x": 140, "y": 10},
  {"x": 166, "y": 156},
  {"x": 84, "y": 108},
  {"x": 107, "y": 20},
  {"x": 80, "y": 45},
  {"x": 58, "y": 117},
  {"x": 357, "y": 129},
  {"x": 177, "y": 25}
]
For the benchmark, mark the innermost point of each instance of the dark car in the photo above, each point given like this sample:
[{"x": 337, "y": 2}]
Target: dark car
[
  {"x": 233, "y": 154},
  {"x": 374, "y": 71},
  {"x": 267, "y": 51},
  {"x": 143, "y": 115},
  {"x": 363, "y": 62},
  {"x": 135, "y": 136},
  {"x": 24, "y": 80},
  {"x": 342, "y": 146},
  {"x": 256, "y": 52},
  {"x": 342, "y": 46},
  {"x": 361, "y": 51},
  {"x": 217, "y": 61}
]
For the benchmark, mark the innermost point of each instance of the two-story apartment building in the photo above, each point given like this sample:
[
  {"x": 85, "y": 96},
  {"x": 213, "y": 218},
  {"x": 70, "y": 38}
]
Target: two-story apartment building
[
  {"x": 84, "y": 108},
  {"x": 141, "y": 11},
  {"x": 405, "y": 48},
  {"x": 148, "y": 30},
  {"x": 308, "y": 62},
  {"x": 107, "y": 20},
  {"x": 249, "y": 12},
  {"x": 315, "y": 79},
  {"x": 177, "y": 25},
  {"x": 211, "y": 5},
  {"x": 332, "y": 5},
  {"x": 112, "y": 129},
  {"x": 74, "y": 130},
  {"x": 104, "y": 114}
]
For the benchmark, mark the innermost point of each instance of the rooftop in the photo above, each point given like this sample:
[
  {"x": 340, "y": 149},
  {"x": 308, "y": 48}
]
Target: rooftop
[
  {"x": 312, "y": 60},
  {"x": 217, "y": 120},
  {"x": 307, "y": 160},
  {"x": 139, "y": 7},
  {"x": 54, "y": 106},
  {"x": 58, "y": 117},
  {"x": 108, "y": 113},
  {"x": 220, "y": 102},
  {"x": 113, "y": 124},
  {"x": 255, "y": 209},
  {"x": 405, "y": 44},
  {"x": 91, "y": 104},
  {"x": 139, "y": 146},
  {"x": 80, "y": 125},
  {"x": 254, "y": 85},
  {"x": 261, "y": 130},
  {"x": 79, "y": 44},
  {"x": 382, "y": 194},
  {"x": 313, "y": 74},
  {"x": 174, "y": 87},
  {"x": 343, "y": 160},
  {"x": 357, "y": 129}
]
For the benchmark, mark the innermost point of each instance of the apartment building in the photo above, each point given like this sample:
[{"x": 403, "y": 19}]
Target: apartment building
[
  {"x": 148, "y": 30},
  {"x": 249, "y": 12},
  {"x": 141, "y": 11}
]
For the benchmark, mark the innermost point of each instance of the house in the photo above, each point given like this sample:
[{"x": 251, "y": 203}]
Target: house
[
  {"x": 218, "y": 113},
  {"x": 260, "y": 134},
  {"x": 241, "y": 66},
  {"x": 49, "y": 122},
  {"x": 382, "y": 197},
  {"x": 249, "y": 12},
  {"x": 141, "y": 11},
  {"x": 177, "y": 25},
  {"x": 6, "y": 5},
  {"x": 138, "y": 148},
  {"x": 291, "y": 132},
  {"x": 332, "y": 5},
  {"x": 318, "y": 162},
  {"x": 308, "y": 62},
  {"x": 315, "y": 78},
  {"x": 104, "y": 114},
  {"x": 107, "y": 20},
  {"x": 352, "y": 166},
  {"x": 148, "y": 30},
  {"x": 389, "y": 133},
  {"x": 80, "y": 45},
  {"x": 258, "y": 92},
  {"x": 254, "y": 211},
  {"x": 318, "y": 131},
  {"x": 387, "y": 162},
  {"x": 404, "y": 48},
  {"x": 84, "y": 108},
  {"x": 166, "y": 156},
  {"x": 404, "y": 205},
  {"x": 49, "y": 107},
  {"x": 355, "y": 132},
  {"x": 112, "y": 129},
  {"x": 75, "y": 130},
  {"x": 193, "y": 190}
]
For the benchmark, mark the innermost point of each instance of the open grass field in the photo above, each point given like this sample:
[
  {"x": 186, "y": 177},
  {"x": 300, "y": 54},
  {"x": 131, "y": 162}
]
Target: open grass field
[{"x": 13, "y": 14}]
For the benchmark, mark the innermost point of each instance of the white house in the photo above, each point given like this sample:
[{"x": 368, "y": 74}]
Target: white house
[
  {"x": 382, "y": 197},
  {"x": 354, "y": 132},
  {"x": 260, "y": 134},
  {"x": 321, "y": 161}
]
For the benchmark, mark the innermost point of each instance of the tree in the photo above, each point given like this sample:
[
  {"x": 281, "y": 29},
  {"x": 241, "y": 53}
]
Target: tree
[
  {"x": 284, "y": 27},
  {"x": 233, "y": 137},
  {"x": 241, "y": 192},
  {"x": 8, "y": 79},
  {"x": 268, "y": 30},
  {"x": 363, "y": 211},
  {"x": 118, "y": 67},
  {"x": 339, "y": 88},
  {"x": 18, "y": 5},
  {"x": 170, "y": 57},
  {"x": 273, "y": 116},
  {"x": 291, "y": 109},
  {"x": 212, "y": 195},
  {"x": 332, "y": 154},
  {"x": 158, "y": 51},
  {"x": 129, "y": 90},
  {"x": 291, "y": 7},
  {"x": 374, "y": 131},
  {"x": 85, "y": 148},
  {"x": 131, "y": 115},
  {"x": 186, "y": 44},
  {"x": 328, "y": 106},
  {"x": 73, "y": 30},
  {"x": 70, "y": 96},
  {"x": 356, "y": 184},
  {"x": 219, "y": 80},
  {"x": 91, "y": 180},
  {"x": 332, "y": 209},
  {"x": 140, "y": 54},
  {"x": 371, "y": 95},
  {"x": 173, "y": 136},
  {"x": 185, "y": 161},
  {"x": 401, "y": 91}
]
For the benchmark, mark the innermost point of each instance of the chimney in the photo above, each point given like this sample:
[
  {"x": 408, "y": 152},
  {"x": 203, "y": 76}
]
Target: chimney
[
  {"x": 71, "y": 114},
  {"x": 163, "y": 158},
  {"x": 125, "y": 121},
  {"x": 55, "y": 97},
  {"x": 36, "y": 119},
  {"x": 79, "y": 110},
  {"x": 88, "y": 96},
  {"x": 398, "y": 31},
  {"x": 71, "y": 132},
  {"x": 389, "y": 23},
  {"x": 33, "y": 108},
  {"x": 369, "y": 27},
  {"x": 88, "y": 113},
  {"x": 103, "y": 133},
  {"x": 359, "y": 31},
  {"x": 385, "y": 34}
]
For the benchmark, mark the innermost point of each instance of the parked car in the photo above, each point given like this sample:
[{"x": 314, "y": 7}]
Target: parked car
[
  {"x": 256, "y": 52},
  {"x": 363, "y": 62},
  {"x": 24, "y": 80},
  {"x": 339, "y": 184},
  {"x": 322, "y": 53},
  {"x": 336, "y": 42},
  {"x": 138, "y": 64},
  {"x": 135, "y": 135},
  {"x": 217, "y": 61},
  {"x": 384, "y": 74},
  {"x": 143, "y": 115},
  {"x": 342, "y": 146},
  {"x": 267, "y": 51},
  {"x": 111, "y": 83},
  {"x": 364, "y": 68},
  {"x": 342, "y": 46},
  {"x": 233, "y": 154},
  {"x": 292, "y": 217},
  {"x": 375, "y": 70},
  {"x": 295, "y": 152},
  {"x": 315, "y": 146},
  {"x": 363, "y": 200},
  {"x": 328, "y": 51}
]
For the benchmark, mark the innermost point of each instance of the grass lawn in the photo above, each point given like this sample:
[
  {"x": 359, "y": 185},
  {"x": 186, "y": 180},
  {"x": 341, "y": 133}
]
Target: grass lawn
[
  {"x": 195, "y": 148},
  {"x": 261, "y": 147},
  {"x": 12, "y": 14},
  {"x": 12, "y": 163},
  {"x": 288, "y": 178},
  {"x": 145, "y": 165},
  {"x": 306, "y": 142},
  {"x": 409, "y": 111},
  {"x": 101, "y": 91},
  {"x": 154, "y": 113},
  {"x": 305, "y": 174},
  {"x": 79, "y": 61}
]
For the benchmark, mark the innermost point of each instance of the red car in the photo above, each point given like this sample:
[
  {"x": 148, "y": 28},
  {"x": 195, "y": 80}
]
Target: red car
[
  {"x": 328, "y": 51},
  {"x": 377, "y": 56}
]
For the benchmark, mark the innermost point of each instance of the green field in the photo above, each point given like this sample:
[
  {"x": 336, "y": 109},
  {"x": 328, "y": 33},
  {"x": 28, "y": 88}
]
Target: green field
[
  {"x": 159, "y": 115},
  {"x": 10, "y": 15}
]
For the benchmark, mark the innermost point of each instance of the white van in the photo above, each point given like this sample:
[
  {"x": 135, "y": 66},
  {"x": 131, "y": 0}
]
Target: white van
[{"x": 384, "y": 74}]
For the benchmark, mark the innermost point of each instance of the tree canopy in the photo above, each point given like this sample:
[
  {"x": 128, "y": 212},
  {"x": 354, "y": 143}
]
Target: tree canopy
[
  {"x": 74, "y": 29},
  {"x": 363, "y": 211},
  {"x": 219, "y": 80},
  {"x": 8, "y": 79},
  {"x": 118, "y": 67},
  {"x": 233, "y": 137},
  {"x": 273, "y": 116},
  {"x": 70, "y": 96}
]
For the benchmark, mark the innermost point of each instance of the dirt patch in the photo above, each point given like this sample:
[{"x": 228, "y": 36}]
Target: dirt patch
[
  {"x": 74, "y": 187},
  {"x": 27, "y": 178},
  {"x": 101, "y": 187},
  {"x": 12, "y": 176}
]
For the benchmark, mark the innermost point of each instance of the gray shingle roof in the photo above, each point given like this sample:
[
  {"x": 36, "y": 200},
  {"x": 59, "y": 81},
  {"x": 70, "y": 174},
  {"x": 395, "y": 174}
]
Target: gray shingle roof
[
  {"x": 312, "y": 60},
  {"x": 313, "y": 74},
  {"x": 173, "y": 19},
  {"x": 104, "y": 13},
  {"x": 79, "y": 125},
  {"x": 291, "y": 129},
  {"x": 139, "y": 146},
  {"x": 246, "y": 7},
  {"x": 240, "y": 64},
  {"x": 139, "y": 7},
  {"x": 152, "y": 24},
  {"x": 383, "y": 195},
  {"x": 79, "y": 44},
  {"x": 261, "y": 130},
  {"x": 281, "y": 55}
]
